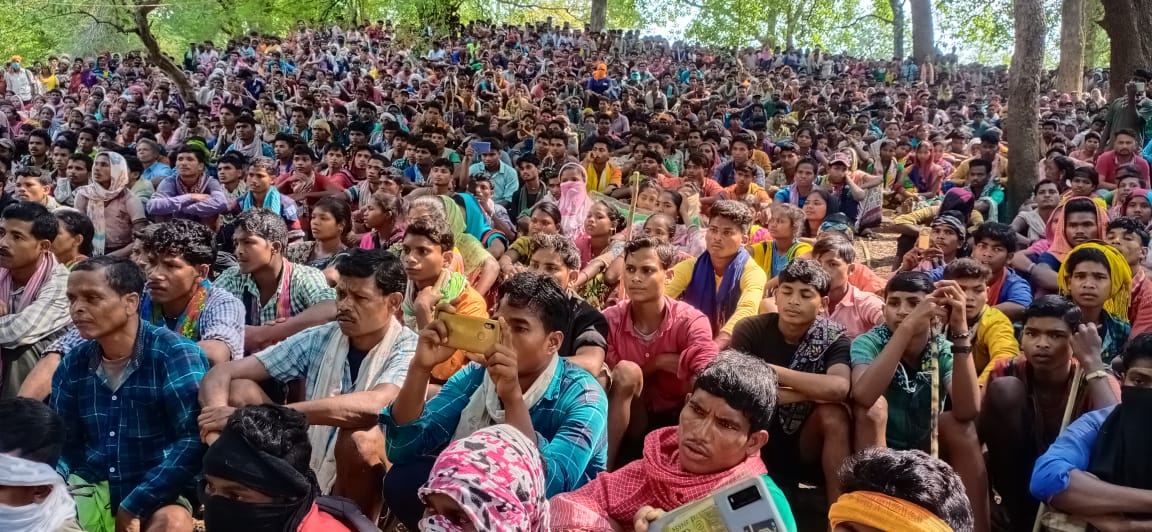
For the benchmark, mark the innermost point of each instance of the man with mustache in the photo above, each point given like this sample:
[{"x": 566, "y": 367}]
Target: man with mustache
[
  {"x": 353, "y": 368},
  {"x": 33, "y": 309},
  {"x": 716, "y": 442},
  {"x": 177, "y": 256}
]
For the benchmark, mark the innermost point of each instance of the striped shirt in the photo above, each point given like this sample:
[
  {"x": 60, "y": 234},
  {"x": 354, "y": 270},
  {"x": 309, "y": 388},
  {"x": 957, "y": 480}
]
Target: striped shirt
[
  {"x": 43, "y": 318},
  {"x": 571, "y": 422},
  {"x": 300, "y": 357},
  {"x": 307, "y": 288},
  {"x": 143, "y": 437}
]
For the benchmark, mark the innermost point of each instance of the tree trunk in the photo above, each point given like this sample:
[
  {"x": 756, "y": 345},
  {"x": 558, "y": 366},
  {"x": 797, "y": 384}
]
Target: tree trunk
[
  {"x": 1127, "y": 23},
  {"x": 599, "y": 16},
  {"x": 1070, "y": 73},
  {"x": 143, "y": 29},
  {"x": 923, "y": 33},
  {"x": 1022, "y": 129},
  {"x": 1093, "y": 12},
  {"x": 898, "y": 24}
]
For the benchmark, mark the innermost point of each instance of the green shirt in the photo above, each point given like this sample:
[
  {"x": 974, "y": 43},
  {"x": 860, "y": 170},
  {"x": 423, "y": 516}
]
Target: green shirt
[{"x": 909, "y": 394}]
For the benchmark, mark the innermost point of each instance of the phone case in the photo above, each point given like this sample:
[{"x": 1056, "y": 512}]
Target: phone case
[
  {"x": 471, "y": 335},
  {"x": 925, "y": 239},
  {"x": 745, "y": 506}
]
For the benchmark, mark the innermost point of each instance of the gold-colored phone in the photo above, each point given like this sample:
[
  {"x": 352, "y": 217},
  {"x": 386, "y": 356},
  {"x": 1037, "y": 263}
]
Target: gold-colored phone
[
  {"x": 474, "y": 336},
  {"x": 925, "y": 239}
]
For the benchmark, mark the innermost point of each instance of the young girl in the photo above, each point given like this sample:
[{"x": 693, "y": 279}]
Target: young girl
[
  {"x": 773, "y": 255},
  {"x": 819, "y": 205},
  {"x": 686, "y": 235},
  {"x": 544, "y": 220},
  {"x": 331, "y": 222},
  {"x": 661, "y": 227},
  {"x": 383, "y": 217},
  {"x": 599, "y": 248},
  {"x": 922, "y": 179},
  {"x": 73, "y": 242}
]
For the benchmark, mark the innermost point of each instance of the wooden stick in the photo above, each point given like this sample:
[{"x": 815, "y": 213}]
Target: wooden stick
[
  {"x": 1068, "y": 408},
  {"x": 934, "y": 372},
  {"x": 635, "y": 179}
]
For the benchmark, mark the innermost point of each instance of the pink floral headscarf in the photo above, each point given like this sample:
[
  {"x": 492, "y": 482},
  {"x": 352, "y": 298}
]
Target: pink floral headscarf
[{"x": 496, "y": 475}]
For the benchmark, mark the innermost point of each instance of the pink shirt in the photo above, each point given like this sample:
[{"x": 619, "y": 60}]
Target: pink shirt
[
  {"x": 1139, "y": 311},
  {"x": 858, "y": 312},
  {"x": 684, "y": 330}
]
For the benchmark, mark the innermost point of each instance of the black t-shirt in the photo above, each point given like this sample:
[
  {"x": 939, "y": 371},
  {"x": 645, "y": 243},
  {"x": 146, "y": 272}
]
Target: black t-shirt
[
  {"x": 355, "y": 359},
  {"x": 760, "y": 336},
  {"x": 588, "y": 327}
]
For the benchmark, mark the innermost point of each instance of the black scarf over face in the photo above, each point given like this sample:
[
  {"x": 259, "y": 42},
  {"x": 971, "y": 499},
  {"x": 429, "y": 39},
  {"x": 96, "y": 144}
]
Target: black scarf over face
[
  {"x": 1121, "y": 455},
  {"x": 233, "y": 458}
]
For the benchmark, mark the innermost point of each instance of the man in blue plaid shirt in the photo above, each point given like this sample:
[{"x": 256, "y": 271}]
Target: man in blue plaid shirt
[{"x": 128, "y": 400}]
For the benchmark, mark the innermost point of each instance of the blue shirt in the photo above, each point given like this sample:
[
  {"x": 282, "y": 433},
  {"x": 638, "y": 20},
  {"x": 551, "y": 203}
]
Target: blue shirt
[
  {"x": 142, "y": 437},
  {"x": 157, "y": 170},
  {"x": 571, "y": 422},
  {"x": 1015, "y": 289},
  {"x": 782, "y": 196},
  {"x": 1071, "y": 450},
  {"x": 505, "y": 181}
]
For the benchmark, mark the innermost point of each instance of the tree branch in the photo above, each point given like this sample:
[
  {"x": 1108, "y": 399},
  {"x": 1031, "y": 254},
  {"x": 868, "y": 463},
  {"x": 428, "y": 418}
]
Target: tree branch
[
  {"x": 862, "y": 17},
  {"x": 118, "y": 27}
]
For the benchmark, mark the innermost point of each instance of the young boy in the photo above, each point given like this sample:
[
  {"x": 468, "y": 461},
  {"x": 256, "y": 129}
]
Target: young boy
[
  {"x": 1025, "y": 398},
  {"x": 810, "y": 354},
  {"x": 893, "y": 360},
  {"x": 440, "y": 177},
  {"x": 723, "y": 283},
  {"x": 1085, "y": 181},
  {"x": 856, "y": 309},
  {"x": 994, "y": 245},
  {"x": 1131, "y": 239},
  {"x": 993, "y": 338}
]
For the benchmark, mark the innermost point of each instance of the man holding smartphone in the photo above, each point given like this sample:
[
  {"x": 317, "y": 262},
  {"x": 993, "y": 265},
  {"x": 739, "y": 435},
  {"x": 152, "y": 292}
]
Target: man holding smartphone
[{"x": 522, "y": 382}]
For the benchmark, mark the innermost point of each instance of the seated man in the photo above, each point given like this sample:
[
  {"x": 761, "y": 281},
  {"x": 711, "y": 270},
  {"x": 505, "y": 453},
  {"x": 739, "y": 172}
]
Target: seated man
[
  {"x": 993, "y": 338},
  {"x": 33, "y": 308},
  {"x": 280, "y": 298},
  {"x": 585, "y": 337},
  {"x": 1097, "y": 468},
  {"x": 189, "y": 194},
  {"x": 522, "y": 382},
  {"x": 177, "y": 255},
  {"x": 34, "y": 496},
  {"x": 1131, "y": 239},
  {"x": 894, "y": 361},
  {"x": 238, "y": 494},
  {"x": 810, "y": 354},
  {"x": 656, "y": 346},
  {"x": 856, "y": 310},
  {"x": 127, "y": 396},
  {"x": 723, "y": 282},
  {"x": 994, "y": 245},
  {"x": 427, "y": 254},
  {"x": 717, "y": 441},
  {"x": 1097, "y": 279},
  {"x": 1075, "y": 222},
  {"x": 353, "y": 368},
  {"x": 36, "y": 187},
  {"x": 262, "y": 193},
  {"x": 1026, "y": 397},
  {"x": 886, "y": 489}
]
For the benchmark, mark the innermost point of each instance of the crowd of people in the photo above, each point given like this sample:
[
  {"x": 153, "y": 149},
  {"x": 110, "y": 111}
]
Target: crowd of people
[{"x": 235, "y": 304}]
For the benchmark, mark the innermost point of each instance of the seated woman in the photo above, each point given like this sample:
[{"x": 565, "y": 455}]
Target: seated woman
[
  {"x": 819, "y": 206},
  {"x": 1098, "y": 469},
  {"x": 490, "y": 480},
  {"x": 785, "y": 226},
  {"x": 477, "y": 223},
  {"x": 600, "y": 245},
  {"x": 73, "y": 242},
  {"x": 383, "y": 217},
  {"x": 1030, "y": 224},
  {"x": 717, "y": 442},
  {"x": 544, "y": 220},
  {"x": 330, "y": 223},
  {"x": 523, "y": 383}
]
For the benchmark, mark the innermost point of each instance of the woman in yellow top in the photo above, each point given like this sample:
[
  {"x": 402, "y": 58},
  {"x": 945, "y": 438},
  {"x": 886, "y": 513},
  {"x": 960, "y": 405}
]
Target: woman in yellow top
[{"x": 47, "y": 79}]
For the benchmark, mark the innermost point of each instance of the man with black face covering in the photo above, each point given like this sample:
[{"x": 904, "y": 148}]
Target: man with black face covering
[{"x": 257, "y": 479}]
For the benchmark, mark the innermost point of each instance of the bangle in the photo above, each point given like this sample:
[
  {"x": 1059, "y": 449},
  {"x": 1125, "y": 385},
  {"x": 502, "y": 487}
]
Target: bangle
[
  {"x": 1098, "y": 374},
  {"x": 961, "y": 350},
  {"x": 957, "y": 336},
  {"x": 1030, "y": 267}
]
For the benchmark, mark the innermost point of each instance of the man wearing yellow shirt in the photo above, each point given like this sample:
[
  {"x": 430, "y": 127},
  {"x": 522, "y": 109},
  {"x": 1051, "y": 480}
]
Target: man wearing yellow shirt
[
  {"x": 993, "y": 337},
  {"x": 723, "y": 283},
  {"x": 746, "y": 185},
  {"x": 988, "y": 150}
]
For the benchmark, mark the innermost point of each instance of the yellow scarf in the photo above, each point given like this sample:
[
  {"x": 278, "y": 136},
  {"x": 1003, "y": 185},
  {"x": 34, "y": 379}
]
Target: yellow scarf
[
  {"x": 1120, "y": 293},
  {"x": 883, "y": 512}
]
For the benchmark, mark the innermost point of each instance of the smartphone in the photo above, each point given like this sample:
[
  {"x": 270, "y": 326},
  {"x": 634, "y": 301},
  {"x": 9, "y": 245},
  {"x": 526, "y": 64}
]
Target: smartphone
[
  {"x": 924, "y": 241},
  {"x": 1140, "y": 87},
  {"x": 474, "y": 336},
  {"x": 745, "y": 506},
  {"x": 480, "y": 148}
]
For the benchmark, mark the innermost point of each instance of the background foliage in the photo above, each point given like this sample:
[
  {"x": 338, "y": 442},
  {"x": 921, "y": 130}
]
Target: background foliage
[{"x": 979, "y": 30}]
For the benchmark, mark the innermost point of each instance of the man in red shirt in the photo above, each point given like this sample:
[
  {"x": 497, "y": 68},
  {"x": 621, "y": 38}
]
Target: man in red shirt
[
  {"x": 1125, "y": 150},
  {"x": 656, "y": 347}
]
